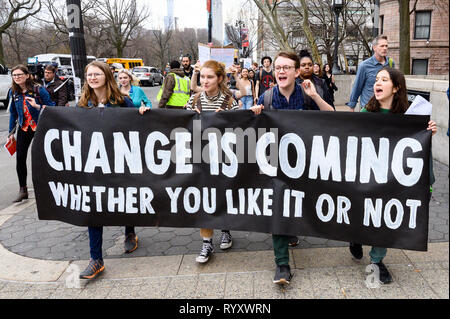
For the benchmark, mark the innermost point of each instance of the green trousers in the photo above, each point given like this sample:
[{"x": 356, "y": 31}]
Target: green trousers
[
  {"x": 377, "y": 254},
  {"x": 281, "y": 249}
]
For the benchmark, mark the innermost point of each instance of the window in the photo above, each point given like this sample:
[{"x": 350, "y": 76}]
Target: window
[
  {"x": 381, "y": 22},
  {"x": 420, "y": 66},
  {"x": 422, "y": 25}
]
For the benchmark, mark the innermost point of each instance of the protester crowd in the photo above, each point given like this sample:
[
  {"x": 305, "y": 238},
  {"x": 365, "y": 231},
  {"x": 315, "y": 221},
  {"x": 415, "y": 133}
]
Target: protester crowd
[{"x": 289, "y": 81}]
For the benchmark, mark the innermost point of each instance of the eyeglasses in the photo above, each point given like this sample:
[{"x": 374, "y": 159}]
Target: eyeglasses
[
  {"x": 17, "y": 75},
  {"x": 94, "y": 75},
  {"x": 285, "y": 68}
]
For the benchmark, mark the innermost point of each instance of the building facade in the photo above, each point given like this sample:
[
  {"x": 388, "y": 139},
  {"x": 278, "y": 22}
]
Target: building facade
[
  {"x": 218, "y": 30},
  {"x": 429, "y": 29}
]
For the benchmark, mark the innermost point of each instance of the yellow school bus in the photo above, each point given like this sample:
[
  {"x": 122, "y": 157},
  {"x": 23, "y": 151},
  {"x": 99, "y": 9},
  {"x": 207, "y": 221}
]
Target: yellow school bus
[{"x": 127, "y": 63}]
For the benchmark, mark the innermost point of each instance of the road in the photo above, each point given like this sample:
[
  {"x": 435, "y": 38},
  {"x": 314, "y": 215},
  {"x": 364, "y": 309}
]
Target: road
[{"x": 9, "y": 186}]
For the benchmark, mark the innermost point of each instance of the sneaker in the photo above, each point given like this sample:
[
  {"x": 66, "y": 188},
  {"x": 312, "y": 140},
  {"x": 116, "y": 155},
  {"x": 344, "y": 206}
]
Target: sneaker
[
  {"x": 293, "y": 241},
  {"x": 356, "y": 251},
  {"x": 206, "y": 252},
  {"x": 226, "y": 240},
  {"x": 385, "y": 276},
  {"x": 282, "y": 275},
  {"x": 94, "y": 269},
  {"x": 130, "y": 243}
]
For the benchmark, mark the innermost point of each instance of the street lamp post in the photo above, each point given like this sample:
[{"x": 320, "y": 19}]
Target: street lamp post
[
  {"x": 77, "y": 43},
  {"x": 209, "y": 8},
  {"x": 337, "y": 7},
  {"x": 240, "y": 24}
]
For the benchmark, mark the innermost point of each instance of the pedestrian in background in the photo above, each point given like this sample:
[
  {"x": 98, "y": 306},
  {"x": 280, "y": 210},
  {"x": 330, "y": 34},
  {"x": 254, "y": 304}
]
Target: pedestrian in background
[
  {"x": 307, "y": 73},
  {"x": 55, "y": 87},
  {"x": 176, "y": 88},
  {"x": 100, "y": 90},
  {"x": 252, "y": 77},
  {"x": 367, "y": 70},
  {"x": 265, "y": 78},
  {"x": 128, "y": 85},
  {"x": 255, "y": 67},
  {"x": 328, "y": 76},
  {"x": 317, "y": 70},
  {"x": 245, "y": 83},
  {"x": 28, "y": 100}
]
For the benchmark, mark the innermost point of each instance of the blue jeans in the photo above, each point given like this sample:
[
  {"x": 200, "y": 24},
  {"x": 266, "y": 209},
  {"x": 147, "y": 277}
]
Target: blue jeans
[
  {"x": 96, "y": 240},
  {"x": 247, "y": 102}
]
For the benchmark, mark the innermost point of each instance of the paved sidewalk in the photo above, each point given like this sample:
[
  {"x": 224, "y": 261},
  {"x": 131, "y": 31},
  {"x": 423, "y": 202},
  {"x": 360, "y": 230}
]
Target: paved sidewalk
[{"x": 33, "y": 265}]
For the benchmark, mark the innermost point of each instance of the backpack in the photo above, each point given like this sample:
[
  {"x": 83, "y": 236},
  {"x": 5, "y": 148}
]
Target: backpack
[
  {"x": 268, "y": 98},
  {"x": 36, "y": 94}
]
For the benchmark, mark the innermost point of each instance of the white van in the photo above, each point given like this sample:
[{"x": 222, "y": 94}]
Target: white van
[
  {"x": 60, "y": 59},
  {"x": 5, "y": 84}
]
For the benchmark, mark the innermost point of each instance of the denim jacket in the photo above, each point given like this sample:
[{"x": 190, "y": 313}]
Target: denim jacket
[
  {"x": 127, "y": 103},
  {"x": 16, "y": 109}
]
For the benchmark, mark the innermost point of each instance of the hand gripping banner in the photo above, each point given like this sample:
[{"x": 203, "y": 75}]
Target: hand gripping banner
[{"x": 352, "y": 177}]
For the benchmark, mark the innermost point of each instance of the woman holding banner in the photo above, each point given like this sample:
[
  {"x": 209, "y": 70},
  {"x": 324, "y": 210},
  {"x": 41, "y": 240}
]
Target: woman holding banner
[
  {"x": 28, "y": 99},
  {"x": 214, "y": 97},
  {"x": 101, "y": 90},
  {"x": 389, "y": 98}
]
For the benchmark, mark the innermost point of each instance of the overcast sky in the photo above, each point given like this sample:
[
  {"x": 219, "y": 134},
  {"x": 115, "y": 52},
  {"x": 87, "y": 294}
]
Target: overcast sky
[{"x": 191, "y": 13}]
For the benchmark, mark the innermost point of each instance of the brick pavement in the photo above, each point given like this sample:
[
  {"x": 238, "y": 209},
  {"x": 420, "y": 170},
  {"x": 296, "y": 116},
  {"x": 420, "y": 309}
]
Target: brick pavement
[{"x": 25, "y": 235}]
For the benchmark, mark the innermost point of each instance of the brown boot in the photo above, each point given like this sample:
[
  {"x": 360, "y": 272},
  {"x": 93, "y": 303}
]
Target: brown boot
[{"x": 23, "y": 194}]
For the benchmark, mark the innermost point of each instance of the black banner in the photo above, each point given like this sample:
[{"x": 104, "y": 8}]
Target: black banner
[{"x": 343, "y": 176}]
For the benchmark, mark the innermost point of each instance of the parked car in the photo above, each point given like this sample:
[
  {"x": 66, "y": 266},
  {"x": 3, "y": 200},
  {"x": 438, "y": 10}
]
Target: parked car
[
  {"x": 5, "y": 84},
  {"x": 148, "y": 75}
]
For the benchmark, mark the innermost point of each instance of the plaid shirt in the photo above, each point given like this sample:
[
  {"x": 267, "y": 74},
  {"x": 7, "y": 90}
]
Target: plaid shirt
[{"x": 280, "y": 102}]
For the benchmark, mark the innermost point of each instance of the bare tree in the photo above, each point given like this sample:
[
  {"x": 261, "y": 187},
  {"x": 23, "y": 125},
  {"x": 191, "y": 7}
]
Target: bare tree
[
  {"x": 270, "y": 11},
  {"x": 122, "y": 20},
  {"x": 13, "y": 11},
  {"x": 160, "y": 46}
]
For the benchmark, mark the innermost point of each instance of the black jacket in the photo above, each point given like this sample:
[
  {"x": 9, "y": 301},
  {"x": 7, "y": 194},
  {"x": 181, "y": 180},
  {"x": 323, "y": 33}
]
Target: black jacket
[{"x": 57, "y": 91}]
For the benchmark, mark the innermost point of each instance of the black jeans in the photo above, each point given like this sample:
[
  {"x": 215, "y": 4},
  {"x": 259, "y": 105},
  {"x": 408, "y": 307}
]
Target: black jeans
[{"x": 24, "y": 139}]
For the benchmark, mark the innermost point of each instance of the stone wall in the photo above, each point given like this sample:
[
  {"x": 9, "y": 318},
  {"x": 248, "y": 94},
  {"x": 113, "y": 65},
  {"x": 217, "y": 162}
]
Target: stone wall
[
  {"x": 436, "y": 85},
  {"x": 435, "y": 49}
]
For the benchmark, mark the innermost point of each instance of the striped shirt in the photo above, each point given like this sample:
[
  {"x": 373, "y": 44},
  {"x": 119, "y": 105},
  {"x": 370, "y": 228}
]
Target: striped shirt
[{"x": 211, "y": 103}]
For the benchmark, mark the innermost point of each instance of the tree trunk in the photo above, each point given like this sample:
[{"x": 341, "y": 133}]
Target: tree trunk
[
  {"x": 405, "y": 55},
  {"x": 309, "y": 35},
  {"x": 2, "y": 55},
  {"x": 270, "y": 14}
]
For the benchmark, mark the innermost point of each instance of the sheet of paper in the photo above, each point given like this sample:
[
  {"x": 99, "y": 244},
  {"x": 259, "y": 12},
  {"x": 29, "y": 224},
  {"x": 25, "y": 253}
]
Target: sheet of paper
[
  {"x": 204, "y": 53},
  {"x": 225, "y": 55},
  {"x": 419, "y": 106}
]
